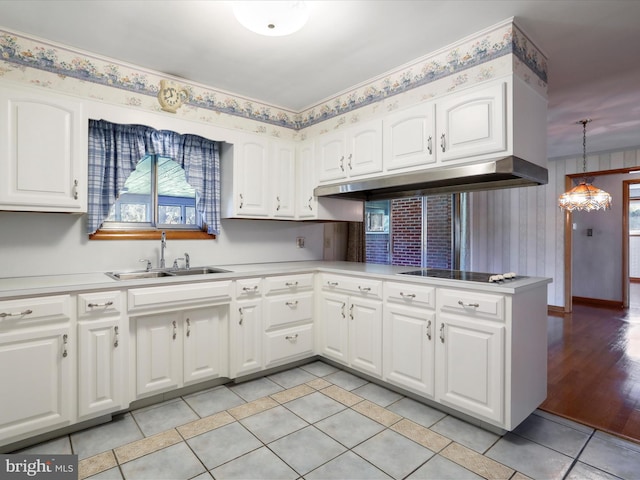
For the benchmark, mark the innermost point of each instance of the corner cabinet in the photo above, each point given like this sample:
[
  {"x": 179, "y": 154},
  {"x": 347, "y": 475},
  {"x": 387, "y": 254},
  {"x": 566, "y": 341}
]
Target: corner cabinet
[{"x": 43, "y": 151}]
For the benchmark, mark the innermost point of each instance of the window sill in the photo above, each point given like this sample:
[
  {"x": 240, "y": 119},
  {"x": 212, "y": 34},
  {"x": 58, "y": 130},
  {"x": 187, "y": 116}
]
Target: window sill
[{"x": 151, "y": 235}]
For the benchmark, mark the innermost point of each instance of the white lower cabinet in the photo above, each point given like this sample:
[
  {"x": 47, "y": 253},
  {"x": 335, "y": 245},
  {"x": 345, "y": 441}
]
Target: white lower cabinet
[
  {"x": 38, "y": 358},
  {"x": 175, "y": 349},
  {"x": 102, "y": 350},
  {"x": 351, "y": 325},
  {"x": 246, "y": 328}
]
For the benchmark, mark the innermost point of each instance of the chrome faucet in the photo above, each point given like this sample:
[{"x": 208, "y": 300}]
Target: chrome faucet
[
  {"x": 187, "y": 265},
  {"x": 163, "y": 245}
]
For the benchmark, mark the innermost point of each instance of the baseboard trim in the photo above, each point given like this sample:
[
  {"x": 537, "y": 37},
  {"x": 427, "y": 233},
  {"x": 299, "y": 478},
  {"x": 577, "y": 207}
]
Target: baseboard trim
[
  {"x": 555, "y": 310},
  {"x": 597, "y": 302}
]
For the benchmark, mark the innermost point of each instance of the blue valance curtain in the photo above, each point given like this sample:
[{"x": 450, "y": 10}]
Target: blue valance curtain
[{"x": 115, "y": 150}]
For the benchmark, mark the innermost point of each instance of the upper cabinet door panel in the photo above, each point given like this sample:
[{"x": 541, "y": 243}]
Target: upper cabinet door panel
[
  {"x": 44, "y": 152},
  {"x": 472, "y": 124},
  {"x": 252, "y": 191},
  {"x": 408, "y": 137},
  {"x": 364, "y": 154},
  {"x": 330, "y": 155}
]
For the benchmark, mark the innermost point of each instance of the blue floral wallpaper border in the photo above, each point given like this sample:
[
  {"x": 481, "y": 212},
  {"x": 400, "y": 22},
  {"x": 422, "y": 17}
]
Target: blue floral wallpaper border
[{"x": 22, "y": 51}]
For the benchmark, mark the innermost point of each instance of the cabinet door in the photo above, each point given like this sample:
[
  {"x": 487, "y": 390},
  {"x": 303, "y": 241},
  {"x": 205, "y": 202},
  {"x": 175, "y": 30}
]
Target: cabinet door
[
  {"x": 306, "y": 170},
  {"x": 248, "y": 337},
  {"x": 284, "y": 180},
  {"x": 159, "y": 353},
  {"x": 365, "y": 335},
  {"x": 43, "y": 145},
  {"x": 364, "y": 149},
  {"x": 472, "y": 123},
  {"x": 36, "y": 380},
  {"x": 409, "y": 351},
  {"x": 251, "y": 169},
  {"x": 334, "y": 326},
  {"x": 204, "y": 343},
  {"x": 408, "y": 137},
  {"x": 330, "y": 154},
  {"x": 100, "y": 366},
  {"x": 470, "y": 366}
]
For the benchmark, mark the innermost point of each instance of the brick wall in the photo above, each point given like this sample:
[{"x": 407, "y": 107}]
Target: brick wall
[
  {"x": 377, "y": 248},
  {"x": 439, "y": 211},
  {"x": 406, "y": 231}
]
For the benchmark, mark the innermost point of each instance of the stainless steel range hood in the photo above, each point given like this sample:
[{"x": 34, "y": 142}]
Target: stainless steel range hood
[{"x": 506, "y": 172}]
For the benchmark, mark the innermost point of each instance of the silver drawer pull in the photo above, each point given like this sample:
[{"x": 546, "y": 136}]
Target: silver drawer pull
[
  {"x": 462, "y": 304},
  {"x": 241, "y": 316},
  {"x": 364, "y": 289},
  {"x": 19, "y": 314},
  {"x": 250, "y": 289},
  {"x": 96, "y": 305},
  {"x": 407, "y": 295},
  {"x": 332, "y": 284},
  {"x": 115, "y": 342},
  {"x": 429, "y": 329},
  {"x": 65, "y": 340},
  {"x": 291, "y": 338},
  {"x": 175, "y": 329},
  {"x": 292, "y": 304},
  {"x": 291, "y": 284},
  {"x": 188, "y": 327},
  {"x": 442, "y": 332}
]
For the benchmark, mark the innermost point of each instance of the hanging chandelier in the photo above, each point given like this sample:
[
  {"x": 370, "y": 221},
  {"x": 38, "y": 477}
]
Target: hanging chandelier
[{"x": 584, "y": 196}]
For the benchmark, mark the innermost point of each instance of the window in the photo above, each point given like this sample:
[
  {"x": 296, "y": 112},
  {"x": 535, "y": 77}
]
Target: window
[{"x": 143, "y": 181}]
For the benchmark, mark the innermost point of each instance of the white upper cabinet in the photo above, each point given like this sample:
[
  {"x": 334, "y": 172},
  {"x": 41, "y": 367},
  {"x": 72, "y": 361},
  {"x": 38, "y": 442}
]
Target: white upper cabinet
[
  {"x": 472, "y": 123},
  {"x": 408, "y": 137},
  {"x": 250, "y": 170},
  {"x": 283, "y": 175},
  {"x": 307, "y": 203},
  {"x": 355, "y": 152},
  {"x": 43, "y": 152}
]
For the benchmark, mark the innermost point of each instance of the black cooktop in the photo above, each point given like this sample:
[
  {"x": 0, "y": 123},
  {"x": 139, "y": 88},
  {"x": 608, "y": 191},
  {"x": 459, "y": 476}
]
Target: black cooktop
[{"x": 455, "y": 275}]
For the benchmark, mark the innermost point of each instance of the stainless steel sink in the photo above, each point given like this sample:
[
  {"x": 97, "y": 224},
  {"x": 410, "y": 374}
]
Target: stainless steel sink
[
  {"x": 139, "y": 274},
  {"x": 165, "y": 273},
  {"x": 197, "y": 271}
]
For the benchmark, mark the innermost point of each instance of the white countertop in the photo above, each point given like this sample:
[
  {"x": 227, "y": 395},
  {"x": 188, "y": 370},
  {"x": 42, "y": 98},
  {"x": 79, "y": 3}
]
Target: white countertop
[{"x": 17, "y": 287}]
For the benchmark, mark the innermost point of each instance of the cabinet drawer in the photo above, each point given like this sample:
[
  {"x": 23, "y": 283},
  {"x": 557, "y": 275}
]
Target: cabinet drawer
[
  {"x": 286, "y": 309},
  {"x": 100, "y": 303},
  {"x": 422, "y": 296},
  {"x": 248, "y": 288},
  {"x": 287, "y": 344},
  {"x": 352, "y": 285},
  {"x": 474, "y": 304},
  {"x": 178, "y": 295},
  {"x": 27, "y": 311},
  {"x": 288, "y": 284}
]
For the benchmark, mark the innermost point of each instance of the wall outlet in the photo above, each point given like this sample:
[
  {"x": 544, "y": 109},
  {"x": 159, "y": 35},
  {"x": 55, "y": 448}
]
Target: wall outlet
[{"x": 300, "y": 242}]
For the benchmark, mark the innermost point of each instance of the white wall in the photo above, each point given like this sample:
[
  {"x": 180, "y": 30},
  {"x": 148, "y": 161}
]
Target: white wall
[
  {"x": 522, "y": 229},
  {"x": 51, "y": 243}
]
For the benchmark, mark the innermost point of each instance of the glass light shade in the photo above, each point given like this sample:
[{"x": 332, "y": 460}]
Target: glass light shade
[
  {"x": 585, "y": 196},
  {"x": 272, "y": 18}
]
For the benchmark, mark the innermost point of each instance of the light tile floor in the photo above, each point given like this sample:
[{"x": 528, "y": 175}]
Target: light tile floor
[{"x": 319, "y": 422}]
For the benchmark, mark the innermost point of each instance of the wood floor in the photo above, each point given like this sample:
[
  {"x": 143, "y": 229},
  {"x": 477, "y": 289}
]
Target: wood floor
[{"x": 594, "y": 368}]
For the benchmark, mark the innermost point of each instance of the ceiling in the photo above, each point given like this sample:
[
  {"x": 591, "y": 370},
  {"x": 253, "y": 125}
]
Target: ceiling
[{"x": 592, "y": 46}]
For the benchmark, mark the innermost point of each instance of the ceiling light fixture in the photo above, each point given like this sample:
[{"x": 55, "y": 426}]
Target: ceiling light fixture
[
  {"x": 272, "y": 18},
  {"x": 584, "y": 196}
]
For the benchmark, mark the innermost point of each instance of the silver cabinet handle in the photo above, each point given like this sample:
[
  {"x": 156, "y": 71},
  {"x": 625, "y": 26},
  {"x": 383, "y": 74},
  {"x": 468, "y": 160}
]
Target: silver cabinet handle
[
  {"x": 349, "y": 162},
  {"x": 291, "y": 338},
  {"x": 241, "y": 200},
  {"x": 351, "y": 312},
  {"x": 291, "y": 304},
  {"x": 116, "y": 336},
  {"x": 278, "y": 206},
  {"x": 175, "y": 330},
  {"x": 407, "y": 295},
  {"x": 342, "y": 163},
  {"x": 96, "y": 305},
  {"x": 332, "y": 284},
  {"x": 188, "y": 327},
  {"x": 442, "y": 332},
  {"x": 310, "y": 208},
  {"x": 364, "y": 289},
  {"x": 462, "y": 304},
  {"x": 65, "y": 340},
  {"x": 442, "y": 142},
  {"x": 17, "y": 314},
  {"x": 430, "y": 145},
  {"x": 342, "y": 309},
  {"x": 291, "y": 284},
  {"x": 241, "y": 316},
  {"x": 75, "y": 189},
  {"x": 429, "y": 329},
  {"x": 250, "y": 289}
]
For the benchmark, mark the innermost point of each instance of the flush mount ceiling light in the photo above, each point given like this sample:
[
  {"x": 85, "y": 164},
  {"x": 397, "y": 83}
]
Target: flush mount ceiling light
[
  {"x": 272, "y": 18},
  {"x": 584, "y": 196}
]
